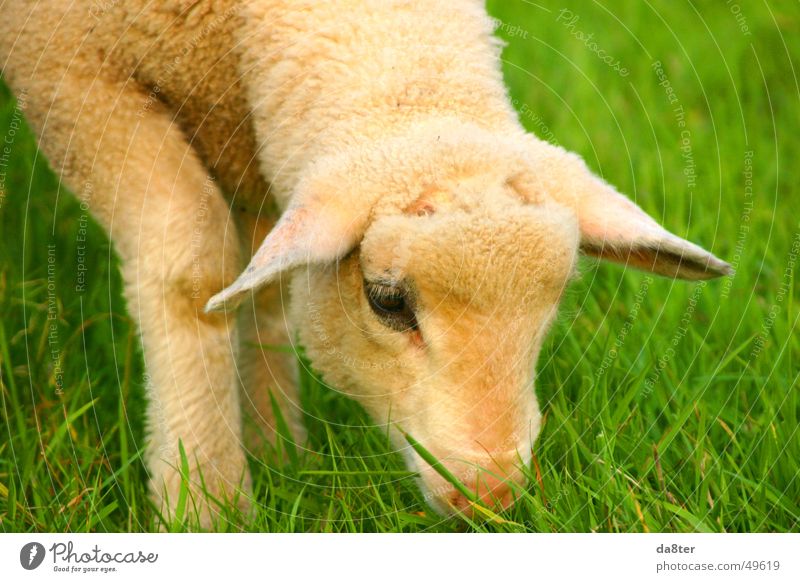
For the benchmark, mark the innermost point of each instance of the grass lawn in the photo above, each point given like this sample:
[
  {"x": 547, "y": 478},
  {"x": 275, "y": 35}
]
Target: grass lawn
[{"x": 669, "y": 406}]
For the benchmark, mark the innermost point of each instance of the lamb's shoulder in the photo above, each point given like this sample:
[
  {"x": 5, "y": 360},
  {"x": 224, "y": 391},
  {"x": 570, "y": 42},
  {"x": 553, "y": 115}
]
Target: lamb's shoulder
[{"x": 185, "y": 56}]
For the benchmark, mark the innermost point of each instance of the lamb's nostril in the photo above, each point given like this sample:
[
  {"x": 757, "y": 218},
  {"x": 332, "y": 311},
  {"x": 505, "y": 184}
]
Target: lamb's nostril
[
  {"x": 497, "y": 495},
  {"x": 462, "y": 503},
  {"x": 508, "y": 499},
  {"x": 451, "y": 498}
]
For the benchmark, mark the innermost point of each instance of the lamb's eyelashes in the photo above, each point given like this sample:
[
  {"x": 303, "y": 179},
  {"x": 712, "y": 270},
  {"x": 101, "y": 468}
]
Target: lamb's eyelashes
[{"x": 392, "y": 304}]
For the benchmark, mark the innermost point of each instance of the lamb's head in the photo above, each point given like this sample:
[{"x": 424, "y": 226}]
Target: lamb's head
[
  {"x": 450, "y": 310},
  {"x": 430, "y": 285}
]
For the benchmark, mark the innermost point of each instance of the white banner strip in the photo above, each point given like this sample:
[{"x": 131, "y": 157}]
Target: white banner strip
[{"x": 379, "y": 557}]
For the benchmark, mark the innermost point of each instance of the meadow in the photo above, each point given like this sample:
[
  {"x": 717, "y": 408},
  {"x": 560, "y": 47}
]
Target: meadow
[{"x": 668, "y": 406}]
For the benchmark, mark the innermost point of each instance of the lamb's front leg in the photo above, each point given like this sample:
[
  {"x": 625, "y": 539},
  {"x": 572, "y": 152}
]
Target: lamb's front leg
[
  {"x": 188, "y": 250},
  {"x": 130, "y": 164},
  {"x": 269, "y": 374},
  {"x": 189, "y": 355}
]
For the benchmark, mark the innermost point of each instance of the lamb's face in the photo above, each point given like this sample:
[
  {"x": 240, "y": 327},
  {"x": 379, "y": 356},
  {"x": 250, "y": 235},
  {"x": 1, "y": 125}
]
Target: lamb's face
[{"x": 434, "y": 324}]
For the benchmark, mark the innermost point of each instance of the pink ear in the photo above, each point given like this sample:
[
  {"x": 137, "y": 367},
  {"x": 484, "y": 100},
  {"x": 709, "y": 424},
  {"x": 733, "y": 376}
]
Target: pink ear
[
  {"x": 310, "y": 233},
  {"x": 612, "y": 227}
]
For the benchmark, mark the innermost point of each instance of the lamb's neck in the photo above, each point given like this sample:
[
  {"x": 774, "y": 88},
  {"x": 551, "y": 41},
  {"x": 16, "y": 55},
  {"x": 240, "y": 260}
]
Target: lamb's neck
[{"x": 369, "y": 77}]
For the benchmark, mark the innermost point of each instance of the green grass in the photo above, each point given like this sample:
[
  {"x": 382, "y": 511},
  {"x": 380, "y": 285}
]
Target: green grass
[{"x": 668, "y": 406}]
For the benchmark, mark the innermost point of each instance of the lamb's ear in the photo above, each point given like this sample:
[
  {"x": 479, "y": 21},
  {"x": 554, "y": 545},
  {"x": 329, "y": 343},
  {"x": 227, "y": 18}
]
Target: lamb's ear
[
  {"x": 311, "y": 232},
  {"x": 614, "y": 228}
]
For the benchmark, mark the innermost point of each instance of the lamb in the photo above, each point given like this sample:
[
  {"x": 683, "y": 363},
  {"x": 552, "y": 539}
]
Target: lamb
[{"x": 365, "y": 156}]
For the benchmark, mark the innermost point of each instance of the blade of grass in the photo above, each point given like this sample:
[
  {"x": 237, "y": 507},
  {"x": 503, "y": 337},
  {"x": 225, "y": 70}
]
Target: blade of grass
[{"x": 437, "y": 466}]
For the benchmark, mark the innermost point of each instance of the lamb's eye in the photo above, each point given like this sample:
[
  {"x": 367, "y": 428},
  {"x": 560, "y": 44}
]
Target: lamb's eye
[{"x": 391, "y": 305}]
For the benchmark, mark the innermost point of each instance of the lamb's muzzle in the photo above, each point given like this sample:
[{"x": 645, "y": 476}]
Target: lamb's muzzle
[{"x": 494, "y": 481}]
